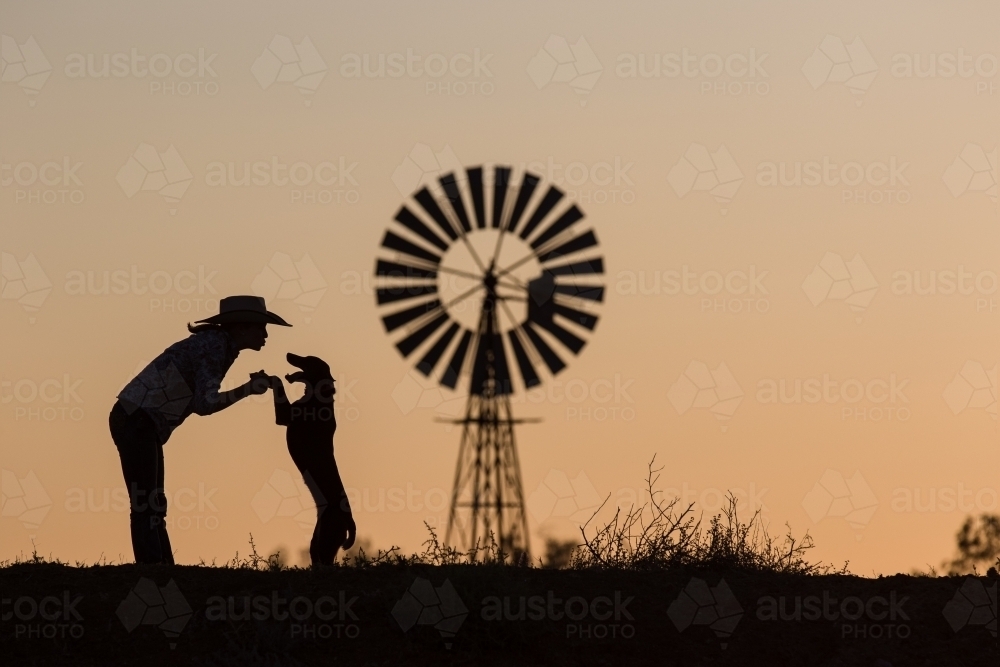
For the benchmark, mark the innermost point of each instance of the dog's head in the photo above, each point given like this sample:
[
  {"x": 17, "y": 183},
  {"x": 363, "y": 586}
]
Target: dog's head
[{"x": 314, "y": 371}]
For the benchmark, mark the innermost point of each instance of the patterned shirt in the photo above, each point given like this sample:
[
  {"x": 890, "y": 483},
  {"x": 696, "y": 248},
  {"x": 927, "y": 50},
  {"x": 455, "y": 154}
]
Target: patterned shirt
[{"x": 184, "y": 379}]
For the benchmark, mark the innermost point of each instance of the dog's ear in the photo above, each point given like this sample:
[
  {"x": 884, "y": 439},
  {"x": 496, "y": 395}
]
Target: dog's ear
[{"x": 318, "y": 366}]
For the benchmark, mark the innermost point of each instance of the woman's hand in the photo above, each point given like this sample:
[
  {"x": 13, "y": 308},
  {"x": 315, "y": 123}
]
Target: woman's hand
[{"x": 259, "y": 383}]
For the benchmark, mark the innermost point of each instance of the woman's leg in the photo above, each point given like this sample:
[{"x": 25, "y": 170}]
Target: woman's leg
[
  {"x": 160, "y": 508},
  {"x": 141, "y": 458}
]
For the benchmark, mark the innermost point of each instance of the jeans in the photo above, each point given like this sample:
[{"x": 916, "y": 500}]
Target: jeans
[{"x": 141, "y": 453}]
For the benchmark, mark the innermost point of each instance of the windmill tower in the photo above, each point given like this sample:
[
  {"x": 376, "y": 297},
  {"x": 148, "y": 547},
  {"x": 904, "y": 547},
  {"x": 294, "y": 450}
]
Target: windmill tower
[{"x": 514, "y": 277}]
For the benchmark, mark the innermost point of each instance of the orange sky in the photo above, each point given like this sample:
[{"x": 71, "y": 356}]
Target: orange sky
[{"x": 678, "y": 132}]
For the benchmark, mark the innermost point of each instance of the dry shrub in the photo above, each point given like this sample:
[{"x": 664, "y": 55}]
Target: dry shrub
[{"x": 662, "y": 534}]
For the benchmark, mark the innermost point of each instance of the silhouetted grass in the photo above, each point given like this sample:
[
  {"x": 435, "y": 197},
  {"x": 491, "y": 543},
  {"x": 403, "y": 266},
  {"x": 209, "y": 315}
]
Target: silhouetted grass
[{"x": 662, "y": 534}]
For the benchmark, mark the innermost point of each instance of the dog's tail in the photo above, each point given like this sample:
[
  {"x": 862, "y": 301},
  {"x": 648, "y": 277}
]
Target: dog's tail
[{"x": 352, "y": 531}]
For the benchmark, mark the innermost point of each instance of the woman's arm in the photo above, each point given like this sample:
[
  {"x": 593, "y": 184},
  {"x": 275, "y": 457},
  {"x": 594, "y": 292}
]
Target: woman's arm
[
  {"x": 259, "y": 384},
  {"x": 211, "y": 360}
]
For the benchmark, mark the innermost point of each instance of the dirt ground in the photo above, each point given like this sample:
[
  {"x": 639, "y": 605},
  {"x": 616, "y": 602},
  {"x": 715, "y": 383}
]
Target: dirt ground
[{"x": 487, "y": 615}]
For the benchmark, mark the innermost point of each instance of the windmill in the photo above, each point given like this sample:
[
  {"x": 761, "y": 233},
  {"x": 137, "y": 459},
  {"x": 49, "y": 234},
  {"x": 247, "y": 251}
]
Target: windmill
[{"x": 477, "y": 268}]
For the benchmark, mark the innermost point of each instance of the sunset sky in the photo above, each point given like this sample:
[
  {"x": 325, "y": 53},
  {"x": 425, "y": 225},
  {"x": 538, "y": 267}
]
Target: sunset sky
[{"x": 786, "y": 195}]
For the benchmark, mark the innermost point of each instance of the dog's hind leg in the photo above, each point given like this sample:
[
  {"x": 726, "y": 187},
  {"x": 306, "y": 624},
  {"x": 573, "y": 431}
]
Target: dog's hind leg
[{"x": 327, "y": 538}]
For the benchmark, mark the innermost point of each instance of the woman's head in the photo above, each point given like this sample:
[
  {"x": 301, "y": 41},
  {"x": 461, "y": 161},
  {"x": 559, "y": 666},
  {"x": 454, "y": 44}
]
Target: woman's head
[
  {"x": 245, "y": 335},
  {"x": 244, "y": 318}
]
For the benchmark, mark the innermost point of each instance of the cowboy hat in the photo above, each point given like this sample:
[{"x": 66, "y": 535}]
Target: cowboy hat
[{"x": 239, "y": 309}]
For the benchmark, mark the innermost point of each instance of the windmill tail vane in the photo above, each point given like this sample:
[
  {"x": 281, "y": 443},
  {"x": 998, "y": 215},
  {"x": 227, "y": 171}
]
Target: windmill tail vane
[{"x": 514, "y": 252}]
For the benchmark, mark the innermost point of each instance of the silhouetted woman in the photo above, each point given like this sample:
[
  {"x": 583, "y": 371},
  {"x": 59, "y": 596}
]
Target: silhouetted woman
[{"x": 184, "y": 379}]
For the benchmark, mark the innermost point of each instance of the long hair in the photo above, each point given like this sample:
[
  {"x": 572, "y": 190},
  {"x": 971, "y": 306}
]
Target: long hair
[{"x": 203, "y": 327}]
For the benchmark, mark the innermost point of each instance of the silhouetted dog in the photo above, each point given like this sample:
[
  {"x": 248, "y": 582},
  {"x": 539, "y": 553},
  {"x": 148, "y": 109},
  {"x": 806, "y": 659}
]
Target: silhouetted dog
[{"x": 311, "y": 425}]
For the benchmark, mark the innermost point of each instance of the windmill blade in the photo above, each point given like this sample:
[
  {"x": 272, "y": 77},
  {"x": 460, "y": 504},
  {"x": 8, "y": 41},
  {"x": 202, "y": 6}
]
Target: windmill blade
[
  {"x": 402, "y": 271},
  {"x": 590, "y": 266},
  {"x": 394, "y": 242},
  {"x": 550, "y": 358},
  {"x": 398, "y": 319},
  {"x": 413, "y": 341},
  {"x": 528, "y": 373},
  {"x": 402, "y": 292},
  {"x": 430, "y": 205},
  {"x": 528, "y": 185},
  {"x": 564, "y": 336},
  {"x": 454, "y": 369},
  {"x": 478, "y": 202},
  {"x": 576, "y": 244},
  {"x": 575, "y": 316},
  {"x": 406, "y": 218},
  {"x": 450, "y": 186},
  {"x": 430, "y": 360},
  {"x": 548, "y": 202},
  {"x": 589, "y": 292},
  {"x": 564, "y": 222},
  {"x": 501, "y": 178}
]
